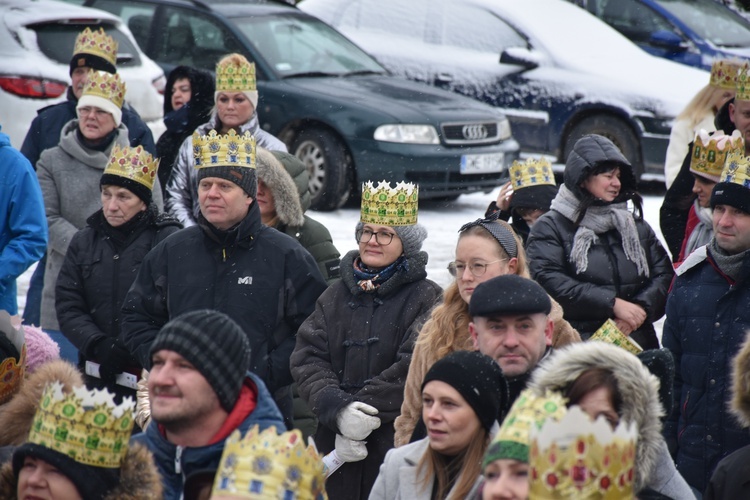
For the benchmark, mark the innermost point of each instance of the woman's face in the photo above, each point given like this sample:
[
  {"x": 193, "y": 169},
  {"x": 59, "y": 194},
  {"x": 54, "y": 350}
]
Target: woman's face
[
  {"x": 234, "y": 109},
  {"x": 374, "y": 249},
  {"x": 265, "y": 201},
  {"x": 605, "y": 186},
  {"x": 39, "y": 480},
  {"x": 472, "y": 252},
  {"x": 451, "y": 423},
  {"x": 506, "y": 479},
  {"x": 598, "y": 402},
  {"x": 120, "y": 205},
  {"x": 181, "y": 93},
  {"x": 95, "y": 123}
]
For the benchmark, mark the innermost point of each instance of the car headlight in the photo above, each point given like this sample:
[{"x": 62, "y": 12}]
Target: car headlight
[
  {"x": 412, "y": 134},
  {"x": 503, "y": 129}
]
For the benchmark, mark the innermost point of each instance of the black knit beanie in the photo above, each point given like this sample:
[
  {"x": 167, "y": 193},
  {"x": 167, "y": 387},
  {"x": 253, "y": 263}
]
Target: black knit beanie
[
  {"x": 215, "y": 344},
  {"x": 244, "y": 177},
  {"x": 479, "y": 380},
  {"x": 91, "y": 61},
  {"x": 731, "y": 194},
  {"x": 134, "y": 187}
]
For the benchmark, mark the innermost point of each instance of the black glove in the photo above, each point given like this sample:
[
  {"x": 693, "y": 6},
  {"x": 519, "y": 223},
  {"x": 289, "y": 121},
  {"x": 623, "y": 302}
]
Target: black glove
[{"x": 113, "y": 357}]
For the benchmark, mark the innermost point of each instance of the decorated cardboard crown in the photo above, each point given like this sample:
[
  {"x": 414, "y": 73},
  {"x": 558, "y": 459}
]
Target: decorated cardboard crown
[
  {"x": 85, "y": 425},
  {"x": 736, "y": 170},
  {"x": 11, "y": 376},
  {"x": 531, "y": 173},
  {"x": 710, "y": 152},
  {"x": 233, "y": 77},
  {"x": 106, "y": 86},
  {"x": 724, "y": 74},
  {"x": 96, "y": 43},
  {"x": 214, "y": 149},
  {"x": 135, "y": 164},
  {"x": 743, "y": 83},
  {"x": 609, "y": 333},
  {"x": 267, "y": 465},
  {"x": 389, "y": 206},
  {"x": 578, "y": 458}
]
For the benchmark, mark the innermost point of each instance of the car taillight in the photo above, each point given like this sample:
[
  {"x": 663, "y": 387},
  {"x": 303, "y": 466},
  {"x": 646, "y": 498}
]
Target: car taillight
[
  {"x": 35, "y": 88},
  {"x": 159, "y": 84}
]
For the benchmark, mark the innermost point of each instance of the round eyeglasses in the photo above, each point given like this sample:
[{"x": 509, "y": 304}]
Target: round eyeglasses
[
  {"x": 476, "y": 268},
  {"x": 382, "y": 238}
]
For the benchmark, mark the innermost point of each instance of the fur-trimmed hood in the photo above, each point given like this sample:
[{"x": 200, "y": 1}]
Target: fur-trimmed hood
[
  {"x": 287, "y": 188},
  {"x": 638, "y": 387},
  {"x": 740, "y": 404}
]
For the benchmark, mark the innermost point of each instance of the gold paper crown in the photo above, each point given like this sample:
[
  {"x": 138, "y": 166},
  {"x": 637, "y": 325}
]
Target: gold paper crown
[
  {"x": 216, "y": 150},
  {"x": 135, "y": 164},
  {"x": 389, "y": 206},
  {"x": 609, "y": 333},
  {"x": 724, "y": 74},
  {"x": 578, "y": 458},
  {"x": 85, "y": 425},
  {"x": 105, "y": 85},
  {"x": 531, "y": 173},
  {"x": 736, "y": 170},
  {"x": 710, "y": 152},
  {"x": 96, "y": 43},
  {"x": 11, "y": 376},
  {"x": 743, "y": 83},
  {"x": 233, "y": 77},
  {"x": 267, "y": 465}
]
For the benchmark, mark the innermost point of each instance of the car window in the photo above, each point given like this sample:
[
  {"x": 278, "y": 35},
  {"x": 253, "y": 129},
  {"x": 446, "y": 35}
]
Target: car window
[
  {"x": 711, "y": 21},
  {"x": 631, "y": 18},
  {"x": 138, "y": 17},
  {"x": 399, "y": 17},
  {"x": 476, "y": 29},
  {"x": 56, "y": 41}
]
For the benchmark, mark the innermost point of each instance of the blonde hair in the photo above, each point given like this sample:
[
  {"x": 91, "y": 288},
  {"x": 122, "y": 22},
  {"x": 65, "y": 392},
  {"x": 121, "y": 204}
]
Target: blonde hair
[
  {"x": 707, "y": 100},
  {"x": 432, "y": 465}
]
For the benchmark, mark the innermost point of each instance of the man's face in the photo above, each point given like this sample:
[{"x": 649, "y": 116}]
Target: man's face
[
  {"x": 702, "y": 188},
  {"x": 223, "y": 203},
  {"x": 79, "y": 77},
  {"x": 516, "y": 343},
  {"x": 731, "y": 229},
  {"x": 739, "y": 113}
]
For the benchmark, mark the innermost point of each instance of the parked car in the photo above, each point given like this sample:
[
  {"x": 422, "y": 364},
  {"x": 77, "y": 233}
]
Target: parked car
[
  {"x": 555, "y": 70},
  {"x": 334, "y": 106},
  {"x": 36, "y": 44},
  {"x": 692, "y": 32}
]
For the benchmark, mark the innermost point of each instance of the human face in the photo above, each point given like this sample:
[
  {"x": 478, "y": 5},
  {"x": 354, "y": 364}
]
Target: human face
[
  {"x": 181, "y": 93},
  {"x": 598, "y": 402},
  {"x": 451, "y": 422},
  {"x": 605, "y": 186},
  {"x": 120, "y": 205},
  {"x": 95, "y": 123},
  {"x": 530, "y": 215},
  {"x": 516, "y": 343},
  {"x": 731, "y": 229},
  {"x": 78, "y": 80},
  {"x": 234, "y": 109},
  {"x": 739, "y": 113},
  {"x": 223, "y": 203},
  {"x": 702, "y": 187},
  {"x": 266, "y": 202},
  {"x": 378, "y": 255},
  {"x": 38, "y": 480},
  {"x": 506, "y": 479},
  {"x": 471, "y": 249}
]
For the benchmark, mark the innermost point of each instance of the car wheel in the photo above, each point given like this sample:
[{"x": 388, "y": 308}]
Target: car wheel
[
  {"x": 613, "y": 129},
  {"x": 325, "y": 159}
]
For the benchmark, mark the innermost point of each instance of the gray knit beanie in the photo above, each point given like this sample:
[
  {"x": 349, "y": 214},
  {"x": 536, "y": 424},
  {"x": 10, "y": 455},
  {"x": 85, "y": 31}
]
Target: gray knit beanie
[
  {"x": 411, "y": 237},
  {"x": 244, "y": 177},
  {"x": 215, "y": 344}
]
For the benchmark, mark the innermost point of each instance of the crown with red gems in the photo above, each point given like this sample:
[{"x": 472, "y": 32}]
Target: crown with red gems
[
  {"x": 106, "y": 86},
  {"x": 724, "y": 74},
  {"x": 96, "y": 43},
  {"x": 135, "y": 164},
  {"x": 389, "y": 206}
]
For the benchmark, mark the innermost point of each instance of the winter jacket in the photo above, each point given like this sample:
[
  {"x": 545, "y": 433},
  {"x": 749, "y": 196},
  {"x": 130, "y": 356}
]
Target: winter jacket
[
  {"x": 639, "y": 390},
  {"x": 182, "y": 202},
  {"x": 46, "y": 129},
  {"x": 356, "y": 346},
  {"x": 23, "y": 226},
  {"x": 707, "y": 319},
  {"x": 176, "y": 463}
]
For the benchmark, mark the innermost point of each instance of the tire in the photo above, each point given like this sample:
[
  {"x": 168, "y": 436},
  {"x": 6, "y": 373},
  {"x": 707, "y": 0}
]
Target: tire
[
  {"x": 325, "y": 158},
  {"x": 613, "y": 129}
]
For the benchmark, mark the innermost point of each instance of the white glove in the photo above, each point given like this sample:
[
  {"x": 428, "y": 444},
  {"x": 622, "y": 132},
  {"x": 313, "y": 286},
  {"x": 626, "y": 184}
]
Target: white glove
[
  {"x": 356, "y": 421},
  {"x": 349, "y": 450}
]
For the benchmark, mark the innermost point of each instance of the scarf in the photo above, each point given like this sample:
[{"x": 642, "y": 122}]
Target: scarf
[
  {"x": 101, "y": 145},
  {"x": 702, "y": 232},
  {"x": 124, "y": 234},
  {"x": 598, "y": 220},
  {"x": 177, "y": 121},
  {"x": 369, "y": 279},
  {"x": 731, "y": 265}
]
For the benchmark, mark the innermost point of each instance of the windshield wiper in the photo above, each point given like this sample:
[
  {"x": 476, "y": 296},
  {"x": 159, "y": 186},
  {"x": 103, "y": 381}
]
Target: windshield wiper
[
  {"x": 363, "y": 72},
  {"x": 305, "y": 74}
]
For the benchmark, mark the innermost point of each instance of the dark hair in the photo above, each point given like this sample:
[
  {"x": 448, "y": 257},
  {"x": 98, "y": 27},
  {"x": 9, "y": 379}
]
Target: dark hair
[
  {"x": 590, "y": 380},
  {"x": 627, "y": 191}
]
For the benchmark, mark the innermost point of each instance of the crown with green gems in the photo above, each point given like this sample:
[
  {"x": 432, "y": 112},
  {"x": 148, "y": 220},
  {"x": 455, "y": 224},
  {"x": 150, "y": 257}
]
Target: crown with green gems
[
  {"x": 96, "y": 43},
  {"x": 135, "y": 164},
  {"x": 710, "y": 152},
  {"x": 531, "y": 173},
  {"x": 743, "y": 83},
  {"x": 85, "y": 425},
  {"x": 232, "y": 77},
  {"x": 105, "y": 85},
  {"x": 389, "y": 206},
  {"x": 216, "y": 150}
]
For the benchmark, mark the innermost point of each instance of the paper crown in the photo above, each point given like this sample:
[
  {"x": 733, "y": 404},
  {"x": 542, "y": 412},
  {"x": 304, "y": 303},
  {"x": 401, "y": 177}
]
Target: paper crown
[
  {"x": 743, "y": 83},
  {"x": 96, "y": 43},
  {"x": 267, "y": 465},
  {"x": 85, "y": 425},
  {"x": 11, "y": 376},
  {"x": 389, "y": 206},
  {"x": 215, "y": 150},
  {"x": 724, "y": 74},
  {"x": 578, "y": 458},
  {"x": 710, "y": 152},
  {"x": 235, "y": 76},
  {"x": 106, "y": 86},
  {"x": 736, "y": 170},
  {"x": 609, "y": 333},
  {"x": 135, "y": 164},
  {"x": 531, "y": 173}
]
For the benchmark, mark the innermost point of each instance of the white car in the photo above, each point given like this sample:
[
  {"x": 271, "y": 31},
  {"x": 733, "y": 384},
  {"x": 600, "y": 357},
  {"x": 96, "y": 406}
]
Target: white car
[{"x": 36, "y": 44}]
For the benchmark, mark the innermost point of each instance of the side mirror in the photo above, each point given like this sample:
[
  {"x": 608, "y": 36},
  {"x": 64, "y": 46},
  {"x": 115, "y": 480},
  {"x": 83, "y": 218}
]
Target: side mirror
[
  {"x": 668, "y": 40},
  {"x": 520, "y": 56}
]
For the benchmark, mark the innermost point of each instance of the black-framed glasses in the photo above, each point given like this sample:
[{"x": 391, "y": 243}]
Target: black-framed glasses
[
  {"x": 476, "y": 268},
  {"x": 382, "y": 237}
]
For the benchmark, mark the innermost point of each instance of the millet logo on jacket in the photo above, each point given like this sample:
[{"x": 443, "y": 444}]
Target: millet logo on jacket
[{"x": 246, "y": 280}]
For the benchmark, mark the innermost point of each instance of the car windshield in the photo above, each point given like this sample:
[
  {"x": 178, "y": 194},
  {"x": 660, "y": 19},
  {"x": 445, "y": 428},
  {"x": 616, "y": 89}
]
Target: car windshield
[
  {"x": 55, "y": 41},
  {"x": 298, "y": 46},
  {"x": 711, "y": 21}
]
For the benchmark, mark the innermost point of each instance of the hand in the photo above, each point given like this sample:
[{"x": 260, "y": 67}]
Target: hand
[
  {"x": 504, "y": 197},
  {"x": 630, "y": 313},
  {"x": 112, "y": 357},
  {"x": 624, "y": 327},
  {"x": 349, "y": 450},
  {"x": 357, "y": 420}
]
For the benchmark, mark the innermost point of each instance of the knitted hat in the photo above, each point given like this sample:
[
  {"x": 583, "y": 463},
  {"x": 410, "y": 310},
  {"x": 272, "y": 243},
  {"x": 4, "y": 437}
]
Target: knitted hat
[
  {"x": 215, "y": 344},
  {"x": 733, "y": 188},
  {"x": 477, "y": 378},
  {"x": 509, "y": 295},
  {"x": 411, "y": 237},
  {"x": 104, "y": 91},
  {"x": 95, "y": 50},
  {"x": 40, "y": 348},
  {"x": 228, "y": 156}
]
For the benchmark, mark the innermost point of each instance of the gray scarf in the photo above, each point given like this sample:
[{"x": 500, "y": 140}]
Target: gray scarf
[
  {"x": 599, "y": 220},
  {"x": 703, "y": 231},
  {"x": 731, "y": 265}
]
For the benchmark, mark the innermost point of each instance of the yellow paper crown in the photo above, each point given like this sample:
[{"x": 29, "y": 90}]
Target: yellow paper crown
[
  {"x": 724, "y": 74},
  {"x": 736, "y": 170},
  {"x": 389, "y": 206},
  {"x": 85, "y": 425},
  {"x": 743, "y": 83},
  {"x": 216, "y": 150},
  {"x": 710, "y": 152},
  {"x": 96, "y": 43},
  {"x": 531, "y": 173},
  {"x": 578, "y": 458},
  {"x": 267, "y": 465},
  {"x": 105, "y": 85},
  {"x": 234, "y": 76},
  {"x": 135, "y": 164},
  {"x": 11, "y": 376}
]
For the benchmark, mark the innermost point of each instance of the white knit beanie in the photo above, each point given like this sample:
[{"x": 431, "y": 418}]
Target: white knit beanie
[{"x": 101, "y": 103}]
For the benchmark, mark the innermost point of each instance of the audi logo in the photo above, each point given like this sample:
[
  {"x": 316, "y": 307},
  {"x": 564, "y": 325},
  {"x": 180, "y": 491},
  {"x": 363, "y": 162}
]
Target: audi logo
[{"x": 474, "y": 132}]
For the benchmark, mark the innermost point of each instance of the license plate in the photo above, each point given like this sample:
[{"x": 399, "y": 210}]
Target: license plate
[{"x": 482, "y": 164}]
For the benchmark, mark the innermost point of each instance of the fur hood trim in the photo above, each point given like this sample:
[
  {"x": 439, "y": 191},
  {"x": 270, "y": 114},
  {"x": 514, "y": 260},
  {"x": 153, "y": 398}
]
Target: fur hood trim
[
  {"x": 280, "y": 183},
  {"x": 740, "y": 403},
  {"x": 639, "y": 389}
]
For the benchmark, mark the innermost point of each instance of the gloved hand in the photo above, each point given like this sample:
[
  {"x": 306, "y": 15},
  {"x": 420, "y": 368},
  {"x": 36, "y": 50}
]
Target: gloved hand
[
  {"x": 349, "y": 450},
  {"x": 113, "y": 357},
  {"x": 356, "y": 420}
]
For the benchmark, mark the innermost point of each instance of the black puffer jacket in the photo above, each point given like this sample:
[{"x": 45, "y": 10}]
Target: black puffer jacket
[{"x": 588, "y": 298}]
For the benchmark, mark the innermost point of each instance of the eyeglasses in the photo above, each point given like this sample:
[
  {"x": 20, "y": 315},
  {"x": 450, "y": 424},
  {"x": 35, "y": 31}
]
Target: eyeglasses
[
  {"x": 382, "y": 238},
  {"x": 86, "y": 110},
  {"x": 476, "y": 268}
]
